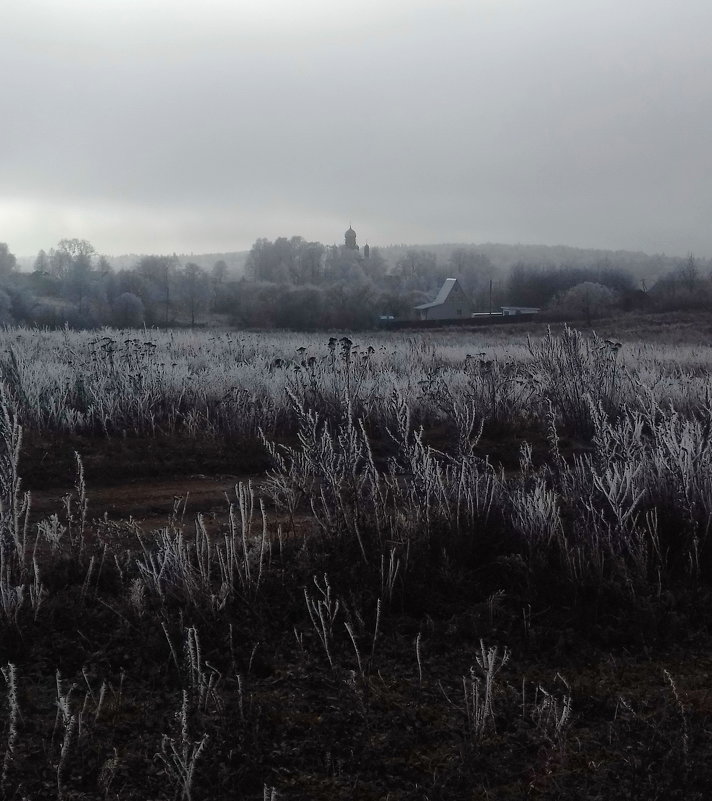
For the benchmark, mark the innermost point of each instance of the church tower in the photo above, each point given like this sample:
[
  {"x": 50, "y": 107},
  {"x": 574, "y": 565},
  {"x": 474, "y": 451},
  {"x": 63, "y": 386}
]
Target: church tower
[{"x": 350, "y": 239}]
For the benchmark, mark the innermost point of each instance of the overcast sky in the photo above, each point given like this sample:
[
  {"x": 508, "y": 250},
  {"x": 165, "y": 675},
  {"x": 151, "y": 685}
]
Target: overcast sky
[{"x": 175, "y": 125}]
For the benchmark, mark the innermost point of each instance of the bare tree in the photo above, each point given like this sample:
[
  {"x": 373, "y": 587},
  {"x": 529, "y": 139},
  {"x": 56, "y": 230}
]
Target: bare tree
[
  {"x": 128, "y": 311},
  {"x": 196, "y": 289},
  {"x": 161, "y": 271},
  {"x": 587, "y": 301},
  {"x": 7, "y": 260}
]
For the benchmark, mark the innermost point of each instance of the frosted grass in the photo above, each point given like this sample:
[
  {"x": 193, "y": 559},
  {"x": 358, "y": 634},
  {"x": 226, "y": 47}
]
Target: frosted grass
[{"x": 198, "y": 383}]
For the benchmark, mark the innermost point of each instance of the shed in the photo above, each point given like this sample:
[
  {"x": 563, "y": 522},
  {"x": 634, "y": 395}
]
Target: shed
[{"x": 510, "y": 311}]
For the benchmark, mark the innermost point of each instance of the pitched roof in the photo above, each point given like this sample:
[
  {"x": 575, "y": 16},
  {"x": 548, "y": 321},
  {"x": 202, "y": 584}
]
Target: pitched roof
[{"x": 442, "y": 296}]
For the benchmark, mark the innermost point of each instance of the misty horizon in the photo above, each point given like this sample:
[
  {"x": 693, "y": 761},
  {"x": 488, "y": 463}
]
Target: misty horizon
[
  {"x": 25, "y": 258},
  {"x": 504, "y": 255}
]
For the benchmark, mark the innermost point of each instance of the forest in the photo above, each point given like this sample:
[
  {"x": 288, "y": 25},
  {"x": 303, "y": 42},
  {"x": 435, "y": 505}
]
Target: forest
[{"x": 292, "y": 283}]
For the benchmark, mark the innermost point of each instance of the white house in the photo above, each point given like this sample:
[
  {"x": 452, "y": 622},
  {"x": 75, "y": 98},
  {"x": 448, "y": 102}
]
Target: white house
[{"x": 451, "y": 303}]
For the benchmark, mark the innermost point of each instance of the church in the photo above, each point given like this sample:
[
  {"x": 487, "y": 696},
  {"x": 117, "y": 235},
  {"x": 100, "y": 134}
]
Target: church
[{"x": 350, "y": 242}]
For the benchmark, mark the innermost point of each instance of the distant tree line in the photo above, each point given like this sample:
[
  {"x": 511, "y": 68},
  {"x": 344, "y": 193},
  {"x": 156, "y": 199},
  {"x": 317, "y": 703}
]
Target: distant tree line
[
  {"x": 293, "y": 283},
  {"x": 298, "y": 284},
  {"x": 72, "y": 284}
]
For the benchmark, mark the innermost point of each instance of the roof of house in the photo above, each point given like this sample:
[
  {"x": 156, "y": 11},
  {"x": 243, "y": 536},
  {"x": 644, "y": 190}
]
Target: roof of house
[{"x": 442, "y": 295}]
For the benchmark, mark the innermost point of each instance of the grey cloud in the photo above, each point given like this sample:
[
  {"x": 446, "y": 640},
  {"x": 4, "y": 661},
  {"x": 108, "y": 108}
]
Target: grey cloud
[{"x": 580, "y": 123}]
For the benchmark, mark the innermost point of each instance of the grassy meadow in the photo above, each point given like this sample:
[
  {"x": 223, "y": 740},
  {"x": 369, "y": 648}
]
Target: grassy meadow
[{"x": 450, "y": 565}]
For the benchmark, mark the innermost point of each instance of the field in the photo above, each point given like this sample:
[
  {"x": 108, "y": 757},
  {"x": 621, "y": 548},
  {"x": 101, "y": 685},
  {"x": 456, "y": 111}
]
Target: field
[{"x": 443, "y": 565}]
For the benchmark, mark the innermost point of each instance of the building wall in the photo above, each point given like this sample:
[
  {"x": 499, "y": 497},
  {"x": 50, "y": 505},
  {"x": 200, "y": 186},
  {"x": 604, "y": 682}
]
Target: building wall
[{"x": 456, "y": 306}]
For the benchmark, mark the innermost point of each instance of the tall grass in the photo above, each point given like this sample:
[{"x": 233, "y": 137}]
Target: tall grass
[
  {"x": 198, "y": 384},
  {"x": 397, "y": 549}
]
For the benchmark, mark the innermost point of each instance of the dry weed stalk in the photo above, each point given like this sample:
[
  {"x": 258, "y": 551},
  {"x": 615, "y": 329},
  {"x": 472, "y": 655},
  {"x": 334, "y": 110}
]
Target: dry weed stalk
[
  {"x": 551, "y": 712},
  {"x": 683, "y": 716},
  {"x": 322, "y": 613},
  {"x": 180, "y": 754},
  {"x": 479, "y": 690},
  {"x": 9, "y": 673},
  {"x": 69, "y": 723},
  {"x": 203, "y": 679}
]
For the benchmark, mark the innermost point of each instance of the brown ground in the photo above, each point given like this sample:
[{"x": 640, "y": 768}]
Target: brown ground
[
  {"x": 47, "y": 461},
  {"x": 138, "y": 478},
  {"x": 148, "y": 501}
]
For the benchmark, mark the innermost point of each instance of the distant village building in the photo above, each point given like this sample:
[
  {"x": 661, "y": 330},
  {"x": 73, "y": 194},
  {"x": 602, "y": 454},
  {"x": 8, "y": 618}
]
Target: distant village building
[
  {"x": 511, "y": 311},
  {"x": 451, "y": 303}
]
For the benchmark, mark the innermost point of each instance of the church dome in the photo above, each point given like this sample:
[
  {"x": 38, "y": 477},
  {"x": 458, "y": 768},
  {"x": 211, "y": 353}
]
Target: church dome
[{"x": 350, "y": 239}]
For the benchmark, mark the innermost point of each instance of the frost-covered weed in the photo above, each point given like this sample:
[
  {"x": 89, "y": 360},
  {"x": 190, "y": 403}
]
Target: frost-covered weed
[
  {"x": 143, "y": 383},
  {"x": 479, "y": 689},
  {"x": 180, "y": 754},
  {"x": 550, "y": 710},
  {"x": 204, "y": 571}
]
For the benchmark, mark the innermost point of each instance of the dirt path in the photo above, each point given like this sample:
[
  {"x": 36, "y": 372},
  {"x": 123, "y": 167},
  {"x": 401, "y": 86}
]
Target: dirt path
[{"x": 148, "y": 501}]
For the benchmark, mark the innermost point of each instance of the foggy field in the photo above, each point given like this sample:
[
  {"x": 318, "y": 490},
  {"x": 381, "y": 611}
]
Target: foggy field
[{"x": 453, "y": 565}]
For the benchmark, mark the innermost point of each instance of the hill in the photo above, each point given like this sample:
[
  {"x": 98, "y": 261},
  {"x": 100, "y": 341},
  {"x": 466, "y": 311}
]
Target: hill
[{"x": 504, "y": 256}]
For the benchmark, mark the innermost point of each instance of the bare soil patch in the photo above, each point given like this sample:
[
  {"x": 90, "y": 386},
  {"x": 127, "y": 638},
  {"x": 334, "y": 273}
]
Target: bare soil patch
[
  {"x": 149, "y": 501},
  {"x": 47, "y": 461}
]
